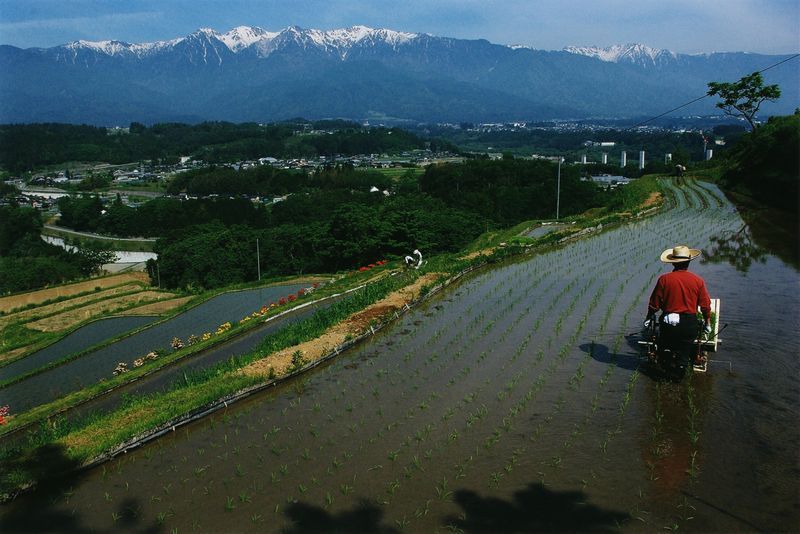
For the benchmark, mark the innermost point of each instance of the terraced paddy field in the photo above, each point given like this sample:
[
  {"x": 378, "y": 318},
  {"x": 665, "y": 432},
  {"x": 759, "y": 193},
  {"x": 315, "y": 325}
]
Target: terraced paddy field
[
  {"x": 31, "y": 321},
  {"x": 53, "y": 372},
  {"x": 514, "y": 401}
]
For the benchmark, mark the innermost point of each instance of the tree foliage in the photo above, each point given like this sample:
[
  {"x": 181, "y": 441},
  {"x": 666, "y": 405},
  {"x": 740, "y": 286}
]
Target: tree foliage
[
  {"x": 27, "y": 262},
  {"x": 334, "y": 222},
  {"x": 744, "y": 97},
  {"x": 25, "y": 147},
  {"x": 766, "y": 163}
]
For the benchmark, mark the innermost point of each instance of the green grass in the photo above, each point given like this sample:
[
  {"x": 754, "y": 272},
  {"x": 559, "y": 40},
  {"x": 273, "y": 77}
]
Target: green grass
[{"x": 16, "y": 335}]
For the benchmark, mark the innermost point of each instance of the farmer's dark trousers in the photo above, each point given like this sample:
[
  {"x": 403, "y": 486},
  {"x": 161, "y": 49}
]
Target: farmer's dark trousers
[{"x": 681, "y": 337}]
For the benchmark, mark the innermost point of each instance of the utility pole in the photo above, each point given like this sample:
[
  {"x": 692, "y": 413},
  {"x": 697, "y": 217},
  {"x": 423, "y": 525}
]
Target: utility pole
[
  {"x": 558, "y": 187},
  {"x": 258, "y": 260},
  {"x": 158, "y": 274}
]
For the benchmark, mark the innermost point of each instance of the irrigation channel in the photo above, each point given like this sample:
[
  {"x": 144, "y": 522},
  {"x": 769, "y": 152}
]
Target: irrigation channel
[
  {"x": 89, "y": 368},
  {"x": 512, "y": 401}
]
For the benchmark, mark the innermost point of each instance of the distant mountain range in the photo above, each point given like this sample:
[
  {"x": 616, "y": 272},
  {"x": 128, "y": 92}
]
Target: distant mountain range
[{"x": 250, "y": 74}]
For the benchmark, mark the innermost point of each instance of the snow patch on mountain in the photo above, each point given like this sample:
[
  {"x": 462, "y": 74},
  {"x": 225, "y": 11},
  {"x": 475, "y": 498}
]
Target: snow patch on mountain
[
  {"x": 630, "y": 53},
  {"x": 121, "y": 48},
  {"x": 243, "y": 37}
]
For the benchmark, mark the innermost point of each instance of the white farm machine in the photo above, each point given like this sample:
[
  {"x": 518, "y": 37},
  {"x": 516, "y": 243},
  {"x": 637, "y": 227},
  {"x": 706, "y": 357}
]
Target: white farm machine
[{"x": 675, "y": 361}]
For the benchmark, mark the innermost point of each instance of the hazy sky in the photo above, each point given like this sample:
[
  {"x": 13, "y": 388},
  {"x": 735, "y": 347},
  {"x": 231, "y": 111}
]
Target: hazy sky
[{"x": 688, "y": 26}]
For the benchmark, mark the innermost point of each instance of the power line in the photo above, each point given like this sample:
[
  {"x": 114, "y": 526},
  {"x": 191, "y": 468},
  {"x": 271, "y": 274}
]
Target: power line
[{"x": 707, "y": 95}]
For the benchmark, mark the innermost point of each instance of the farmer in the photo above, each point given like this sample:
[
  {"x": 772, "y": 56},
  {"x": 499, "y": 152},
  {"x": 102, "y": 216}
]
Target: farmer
[
  {"x": 412, "y": 262},
  {"x": 678, "y": 295}
]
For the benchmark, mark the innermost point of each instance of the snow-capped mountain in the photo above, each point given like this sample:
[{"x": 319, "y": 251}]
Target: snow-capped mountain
[
  {"x": 252, "y": 74},
  {"x": 631, "y": 53},
  {"x": 242, "y": 38}
]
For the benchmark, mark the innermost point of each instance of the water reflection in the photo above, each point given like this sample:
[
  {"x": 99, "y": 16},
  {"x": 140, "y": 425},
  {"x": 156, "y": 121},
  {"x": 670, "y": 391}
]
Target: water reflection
[{"x": 736, "y": 248}]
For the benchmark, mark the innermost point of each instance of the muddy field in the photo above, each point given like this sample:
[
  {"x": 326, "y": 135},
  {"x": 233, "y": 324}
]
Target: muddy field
[{"x": 515, "y": 401}]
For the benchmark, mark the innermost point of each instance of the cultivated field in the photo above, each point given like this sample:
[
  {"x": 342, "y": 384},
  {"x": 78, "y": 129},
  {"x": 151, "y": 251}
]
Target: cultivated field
[
  {"x": 513, "y": 402},
  {"x": 14, "y": 302}
]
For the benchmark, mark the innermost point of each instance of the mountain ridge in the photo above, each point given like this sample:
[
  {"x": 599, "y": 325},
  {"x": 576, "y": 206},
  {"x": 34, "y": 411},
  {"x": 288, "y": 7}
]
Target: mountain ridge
[{"x": 252, "y": 74}]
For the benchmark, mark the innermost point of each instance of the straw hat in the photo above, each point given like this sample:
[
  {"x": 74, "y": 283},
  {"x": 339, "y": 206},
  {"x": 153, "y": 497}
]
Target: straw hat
[{"x": 679, "y": 254}]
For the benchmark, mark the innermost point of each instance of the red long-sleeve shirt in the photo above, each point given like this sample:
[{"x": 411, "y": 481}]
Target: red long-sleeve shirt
[{"x": 680, "y": 292}]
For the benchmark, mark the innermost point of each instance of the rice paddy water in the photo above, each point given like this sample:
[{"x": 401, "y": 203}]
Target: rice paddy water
[{"x": 512, "y": 401}]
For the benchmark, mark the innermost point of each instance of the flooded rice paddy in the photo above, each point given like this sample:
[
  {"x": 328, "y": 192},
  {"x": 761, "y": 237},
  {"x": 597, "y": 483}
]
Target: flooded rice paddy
[
  {"x": 90, "y": 368},
  {"x": 511, "y": 402},
  {"x": 79, "y": 340}
]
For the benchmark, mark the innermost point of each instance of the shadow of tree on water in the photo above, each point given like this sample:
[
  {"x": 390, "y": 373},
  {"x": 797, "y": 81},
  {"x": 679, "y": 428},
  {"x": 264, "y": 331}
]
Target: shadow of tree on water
[
  {"x": 37, "y": 510},
  {"x": 46, "y": 508},
  {"x": 534, "y": 509},
  {"x": 738, "y": 249},
  {"x": 365, "y": 518}
]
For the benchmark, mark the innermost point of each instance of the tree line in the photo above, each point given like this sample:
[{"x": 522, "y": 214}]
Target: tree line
[
  {"x": 26, "y": 147},
  {"x": 28, "y": 262},
  {"x": 335, "y": 223}
]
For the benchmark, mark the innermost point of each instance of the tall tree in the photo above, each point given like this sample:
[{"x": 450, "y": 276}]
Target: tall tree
[{"x": 744, "y": 98}]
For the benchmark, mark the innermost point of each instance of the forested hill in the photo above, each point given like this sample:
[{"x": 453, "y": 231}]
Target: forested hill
[{"x": 29, "y": 146}]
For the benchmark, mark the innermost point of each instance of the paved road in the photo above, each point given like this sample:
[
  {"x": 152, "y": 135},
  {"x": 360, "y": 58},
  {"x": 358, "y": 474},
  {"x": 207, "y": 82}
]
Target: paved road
[{"x": 96, "y": 236}]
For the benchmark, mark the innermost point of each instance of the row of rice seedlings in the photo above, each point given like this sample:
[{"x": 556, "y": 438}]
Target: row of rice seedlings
[
  {"x": 507, "y": 421},
  {"x": 505, "y": 426},
  {"x": 416, "y": 461}
]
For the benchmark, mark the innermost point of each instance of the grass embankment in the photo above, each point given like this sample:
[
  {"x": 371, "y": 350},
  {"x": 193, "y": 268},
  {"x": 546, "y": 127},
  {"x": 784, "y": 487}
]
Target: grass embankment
[{"x": 278, "y": 355}]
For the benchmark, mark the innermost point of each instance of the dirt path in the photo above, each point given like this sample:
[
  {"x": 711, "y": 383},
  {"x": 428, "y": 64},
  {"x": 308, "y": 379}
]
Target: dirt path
[
  {"x": 654, "y": 198},
  {"x": 37, "y": 297},
  {"x": 354, "y": 325}
]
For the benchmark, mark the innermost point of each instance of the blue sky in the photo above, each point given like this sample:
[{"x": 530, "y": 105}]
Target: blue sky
[{"x": 688, "y": 26}]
